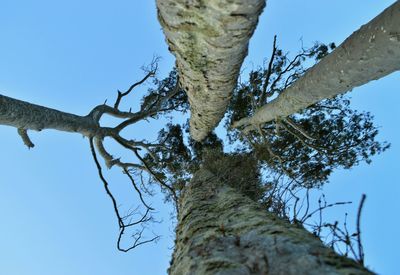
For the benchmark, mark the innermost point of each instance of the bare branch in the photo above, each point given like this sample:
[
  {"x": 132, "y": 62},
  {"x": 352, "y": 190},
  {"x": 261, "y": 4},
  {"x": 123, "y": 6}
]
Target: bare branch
[
  {"x": 359, "y": 243},
  {"x": 155, "y": 109},
  {"x": 110, "y": 160},
  {"x": 304, "y": 140},
  {"x": 127, "y": 145},
  {"x": 105, "y": 183},
  {"x": 122, "y": 226},
  {"x": 137, "y": 235},
  {"x": 268, "y": 75},
  {"x": 25, "y": 138},
  {"x": 137, "y": 189},
  {"x": 297, "y": 128},
  {"x": 100, "y": 110},
  {"x": 324, "y": 207},
  {"x": 151, "y": 72},
  {"x": 162, "y": 183}
]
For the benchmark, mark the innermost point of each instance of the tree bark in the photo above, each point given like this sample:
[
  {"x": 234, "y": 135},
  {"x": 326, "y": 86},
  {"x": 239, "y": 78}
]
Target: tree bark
[
  {"x": 221, "y": 231},
  {"x": 210, "y": 40},
  {"x": 28, "y": 116},
  {"x": 368, "y": 54}
]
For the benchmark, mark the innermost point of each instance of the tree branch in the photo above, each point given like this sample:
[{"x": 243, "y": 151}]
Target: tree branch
[
  {"x": 25, "y": 138},
  {"x": 152, "y": 71},
  {"x": 121, "y": 223}
]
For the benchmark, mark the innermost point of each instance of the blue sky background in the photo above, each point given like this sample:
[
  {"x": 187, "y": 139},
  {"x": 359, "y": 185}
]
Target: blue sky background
[{"x": 72, "y": 55}]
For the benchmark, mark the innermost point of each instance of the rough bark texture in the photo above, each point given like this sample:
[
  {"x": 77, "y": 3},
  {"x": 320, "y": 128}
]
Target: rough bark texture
[
  {"x": 210, "y": 40},
  {"x": 221, "y": 231},
  {"x": 24, "y": 115},
  {"x": 368, "y": 54}
]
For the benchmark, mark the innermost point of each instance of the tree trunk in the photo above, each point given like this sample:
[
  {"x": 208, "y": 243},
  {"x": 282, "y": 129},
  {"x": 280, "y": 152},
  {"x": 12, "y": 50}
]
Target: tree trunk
[
  {"x": 368, "y": 54},
  {"x": 210, "y": 40},
  {"x": 221, "y": 231}
]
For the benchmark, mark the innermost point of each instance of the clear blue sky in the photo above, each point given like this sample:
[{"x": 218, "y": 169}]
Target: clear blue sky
[{"x": 71, "y": 55}]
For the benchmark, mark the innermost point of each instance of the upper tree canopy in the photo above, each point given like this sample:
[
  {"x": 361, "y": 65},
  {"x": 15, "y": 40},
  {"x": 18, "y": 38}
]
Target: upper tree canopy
[{"x": 305, "y": 147}]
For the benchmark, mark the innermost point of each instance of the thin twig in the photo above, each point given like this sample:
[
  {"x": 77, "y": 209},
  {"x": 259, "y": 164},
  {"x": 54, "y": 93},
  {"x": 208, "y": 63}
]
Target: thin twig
[
  {"x": 268, "y": 75},
  {"x": 121, "y": 224},
  {"x": 151, "y": 73},
  {"x": 105, "y": 183},
  {"x": 359, "y": 243},
  {"x": 137, "y": 189}
]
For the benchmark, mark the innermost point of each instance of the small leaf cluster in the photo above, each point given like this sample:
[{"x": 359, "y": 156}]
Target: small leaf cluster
[{"x": 167, "y": 87}]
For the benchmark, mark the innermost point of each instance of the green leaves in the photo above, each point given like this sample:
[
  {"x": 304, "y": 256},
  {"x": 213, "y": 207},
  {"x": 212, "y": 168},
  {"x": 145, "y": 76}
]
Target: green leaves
[
  {"x": 306, "y": 147},
  {"x": 165, "y": 97}
]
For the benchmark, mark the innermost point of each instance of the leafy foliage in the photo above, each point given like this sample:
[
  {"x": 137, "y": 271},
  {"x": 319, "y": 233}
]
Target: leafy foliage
[
  {"x": 305, "y": 147},
  {"x": 276, "y": 163},
  {"x": 265, "y": 83},
  {"x": 176, "y": 159},
  {"x": 167, "y": 87},
  {"x": 172, "y": 158},
  {"x": 308, "y": 147}
]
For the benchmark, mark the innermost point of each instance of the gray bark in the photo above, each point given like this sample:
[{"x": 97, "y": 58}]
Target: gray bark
[
  {"x": 210, "y": 40},
  {"x": 28, "y": 116},
  {"x": 368, "y": 54},
  {"x": 221, "y": 231}
]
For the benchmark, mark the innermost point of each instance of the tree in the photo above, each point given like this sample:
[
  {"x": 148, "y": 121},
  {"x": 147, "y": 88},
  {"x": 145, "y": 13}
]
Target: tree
[
  {"x": 128, "y": 116},
  {"x": 222, "y": 231},
  {"x": 348, "y": 77},
  {"x": 217, "y": 207},
  {"x": 167, "y": 97},
  {"x": 212, "y": 186}
]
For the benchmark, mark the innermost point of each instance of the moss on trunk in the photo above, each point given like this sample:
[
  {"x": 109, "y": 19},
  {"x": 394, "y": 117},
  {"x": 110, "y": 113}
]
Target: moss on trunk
[{"x": 221, "y": 231}]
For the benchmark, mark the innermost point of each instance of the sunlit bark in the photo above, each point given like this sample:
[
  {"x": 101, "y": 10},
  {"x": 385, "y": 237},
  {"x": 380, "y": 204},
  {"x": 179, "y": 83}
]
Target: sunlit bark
[
  {"x": 210, "y": 40},
  {"x": 368, "y": 54}
]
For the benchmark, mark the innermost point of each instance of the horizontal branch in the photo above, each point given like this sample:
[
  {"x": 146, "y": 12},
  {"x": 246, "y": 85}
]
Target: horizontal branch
[{"x": 28, "y": 116}]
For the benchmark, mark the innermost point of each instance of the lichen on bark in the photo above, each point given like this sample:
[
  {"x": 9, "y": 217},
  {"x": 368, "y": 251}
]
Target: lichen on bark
[
  {"x": 210, "y": 40},
  {"x": 368, "y": 54},
  {"x": 28, "y": 116},
  {"x": 222, "y": 231}
]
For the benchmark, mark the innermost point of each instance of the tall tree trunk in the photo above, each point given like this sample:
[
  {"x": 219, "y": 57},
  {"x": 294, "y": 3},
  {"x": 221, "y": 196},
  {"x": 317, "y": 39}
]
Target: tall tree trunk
[
  {"x": 210, "y": 40},
  {"x": 221, "y": 231},
  {"x": 368, "y": 54}
]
